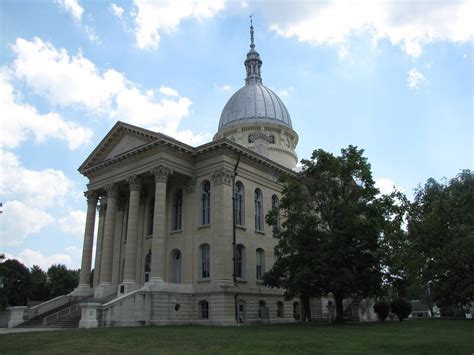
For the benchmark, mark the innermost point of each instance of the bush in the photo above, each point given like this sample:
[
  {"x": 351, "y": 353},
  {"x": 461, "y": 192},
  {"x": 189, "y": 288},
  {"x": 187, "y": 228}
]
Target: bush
[
  {"x": 401, "y": 307},
  {"x": 382, "y": 308}
]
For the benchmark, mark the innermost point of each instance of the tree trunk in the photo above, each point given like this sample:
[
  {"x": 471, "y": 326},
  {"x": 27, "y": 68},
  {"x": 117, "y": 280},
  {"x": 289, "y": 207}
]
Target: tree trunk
[
  {"x": 339, "y": 308},
  {"x": 306, "y": 308}
]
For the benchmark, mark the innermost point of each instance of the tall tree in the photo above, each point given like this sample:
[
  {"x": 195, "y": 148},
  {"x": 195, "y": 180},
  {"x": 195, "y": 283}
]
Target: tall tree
[
  {"x": 329, "y": 240},
  {"x": 441, "y": 236},
  {"x": 61, "y": 280},
  {"x": 16, "y": 283},
  {"x": 39, "y": 284}
]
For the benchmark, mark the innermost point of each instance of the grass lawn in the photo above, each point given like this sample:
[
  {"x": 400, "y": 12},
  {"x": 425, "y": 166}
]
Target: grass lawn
[{"x": 432, "y": 336}]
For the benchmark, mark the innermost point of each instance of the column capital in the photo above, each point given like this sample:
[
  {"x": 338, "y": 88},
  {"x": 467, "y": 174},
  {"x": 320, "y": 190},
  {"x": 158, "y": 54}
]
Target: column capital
[
  {"x": 161, "y": 173},
  {"x": 92, "y": 197},
  {"x": 135, "y": 183},
  {"x": 112, "y": 190},
  {"x": 222, "y": 176},
  {"x": 191, "y": 184}
]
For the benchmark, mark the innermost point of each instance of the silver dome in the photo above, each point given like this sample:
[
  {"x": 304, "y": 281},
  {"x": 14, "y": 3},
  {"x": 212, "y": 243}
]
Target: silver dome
[{"x": 254, "y": 103}]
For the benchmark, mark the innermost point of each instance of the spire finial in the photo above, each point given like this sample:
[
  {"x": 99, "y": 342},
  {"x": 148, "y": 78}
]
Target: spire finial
[
  {"x": 252, "y": 45},
  {"x": 253, "y": 61}
]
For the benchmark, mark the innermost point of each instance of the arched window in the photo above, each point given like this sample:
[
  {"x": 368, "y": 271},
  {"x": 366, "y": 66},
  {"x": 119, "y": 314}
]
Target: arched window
[
  {"x": 239, "y": 204},
  {"x": 242, "y": 311},
  {"x": 204, "y": 261},
  {"x": 261, "y": 309},
  {"x": 280, "y": 310},
  {"x": 175, "y": 266},
  {"x": 177, "y": 213},
  {"x": 203, "y": 308},
  {"x": 148, "y": 266},
  {"x": 260, "y": 263},
  {"x": 240, "y": 261},
  {"x": 258, "y": 210},
  {"x": 275, "y": 206},
  {"x": 250, "y": 139},
  {"x": 151, "y": 214},
  {"x": 205, "y": 203}
]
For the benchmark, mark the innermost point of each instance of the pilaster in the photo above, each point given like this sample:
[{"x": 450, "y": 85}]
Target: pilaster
[{"x": 221, "y": 249}]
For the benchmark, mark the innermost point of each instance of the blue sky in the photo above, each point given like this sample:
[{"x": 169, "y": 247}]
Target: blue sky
[{"x": 392, "y": 77}]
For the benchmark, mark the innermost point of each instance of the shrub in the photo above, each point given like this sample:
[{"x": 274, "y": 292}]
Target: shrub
[
  {"x": 401, "y": 307},
  {"x": 382, "y": 308}
]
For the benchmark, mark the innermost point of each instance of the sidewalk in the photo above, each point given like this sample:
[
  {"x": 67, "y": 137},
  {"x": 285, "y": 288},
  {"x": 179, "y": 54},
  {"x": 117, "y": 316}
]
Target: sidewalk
[{"x": 24, "y": 330}]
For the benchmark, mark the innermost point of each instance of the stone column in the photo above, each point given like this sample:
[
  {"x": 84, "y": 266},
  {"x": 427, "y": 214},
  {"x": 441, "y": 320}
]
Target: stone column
[
  {"x": 105, "y": 283},
  {"x": 221, "y": 248},
  {"x": 84, "y": 278},
  {"x": 98, "y": 246},
  {"x": 158, "y": 252},
  {"x": 129, "y": 278}
]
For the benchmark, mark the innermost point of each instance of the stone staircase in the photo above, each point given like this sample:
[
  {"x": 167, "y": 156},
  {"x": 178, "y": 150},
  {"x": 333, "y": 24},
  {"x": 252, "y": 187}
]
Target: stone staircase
[{"x": 66, "y": 316}]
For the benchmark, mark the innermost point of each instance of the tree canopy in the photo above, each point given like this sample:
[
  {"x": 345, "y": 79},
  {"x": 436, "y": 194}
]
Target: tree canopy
[
  {"x": 21, "y": 284},
  {"x": 333, "y": 217},
  {"x": 441, "y": 239}
]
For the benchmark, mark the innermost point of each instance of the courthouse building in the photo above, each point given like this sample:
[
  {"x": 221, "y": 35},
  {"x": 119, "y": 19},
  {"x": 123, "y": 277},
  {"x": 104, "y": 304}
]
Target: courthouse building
[{"x": 165, "y": 241}]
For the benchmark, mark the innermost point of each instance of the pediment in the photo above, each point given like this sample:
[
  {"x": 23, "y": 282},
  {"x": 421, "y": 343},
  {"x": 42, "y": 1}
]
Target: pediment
[
  {"x": 122, "y": 138},
  {"x": 123, "y": 144}
]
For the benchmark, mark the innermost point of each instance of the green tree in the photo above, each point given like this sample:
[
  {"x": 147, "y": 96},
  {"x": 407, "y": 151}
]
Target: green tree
[
  {"x": 39, "y": 284},
  {"x": 61, "y": 280},
  {"x": 16, "y": 283},
  {"x": 329, "y": 240},
  {"x": 382, "y": 308},
  {"x": 441, "y": 238},
  {"x": 401, "y": 307}
]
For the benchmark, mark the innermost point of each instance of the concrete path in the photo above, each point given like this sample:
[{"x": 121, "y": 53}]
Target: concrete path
[{"x": 24, "y": 330}]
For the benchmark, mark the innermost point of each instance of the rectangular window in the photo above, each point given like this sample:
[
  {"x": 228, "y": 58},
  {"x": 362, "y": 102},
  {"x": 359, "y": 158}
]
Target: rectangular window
[{"x": 205, "y": 262}]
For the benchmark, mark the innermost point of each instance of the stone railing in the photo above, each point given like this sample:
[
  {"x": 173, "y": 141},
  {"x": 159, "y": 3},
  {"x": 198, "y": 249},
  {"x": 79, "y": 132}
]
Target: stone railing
[
  {"x": 131, "y": 309},
  {"x": 49, "y": 305}
]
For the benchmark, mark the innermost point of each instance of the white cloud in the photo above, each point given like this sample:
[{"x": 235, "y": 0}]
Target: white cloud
[
  {"x": 34, "y": 257},
  {"x": 153, "y": 18},
  {"x": 76, "y": 81},
  {"x": 224, "y": 88},
  {"x": 20, "y": 220},
  {"x": 168, "y": 91},
  {"x": 62, "y": 79},
  {"x": 410, "y": 24},
  {"x": 92, "y": 35},
  {"x": 35, "y": 188},
  {"x": 386, "y": 186},
  {"x": 73, "y": 7},
  {"x": 73, "y": 224},
  {"x": 286, "y": 92},
  {"x": 116, "y": 10},
  {"x": 21, "y": 121},
  {"x": 415, "y": 79}
]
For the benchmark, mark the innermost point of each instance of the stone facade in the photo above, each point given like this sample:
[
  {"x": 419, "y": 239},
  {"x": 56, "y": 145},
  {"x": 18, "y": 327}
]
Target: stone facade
[{"x": 164, "y": 247}]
